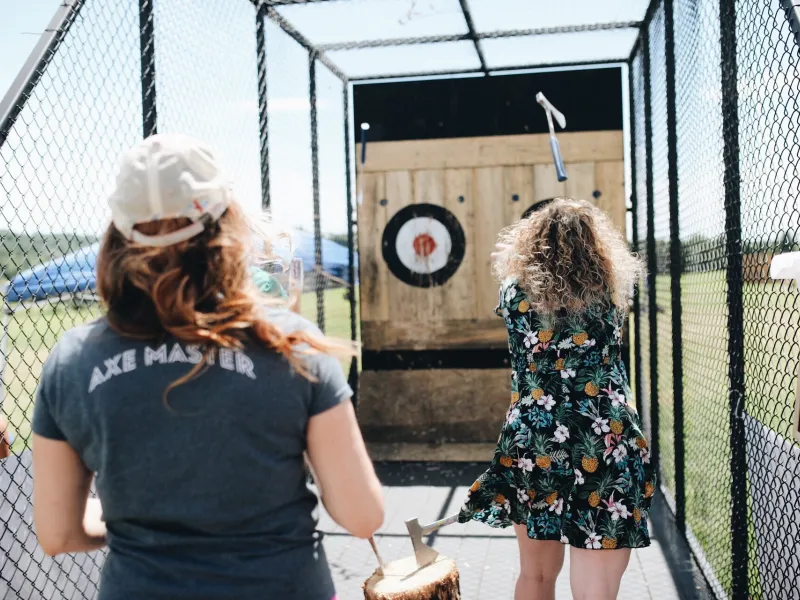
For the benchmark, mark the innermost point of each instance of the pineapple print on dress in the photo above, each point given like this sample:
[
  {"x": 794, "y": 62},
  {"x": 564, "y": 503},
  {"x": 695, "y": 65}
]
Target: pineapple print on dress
[
  {"x": 589, "y": 449},
  {"x": 571, "y": 461}
]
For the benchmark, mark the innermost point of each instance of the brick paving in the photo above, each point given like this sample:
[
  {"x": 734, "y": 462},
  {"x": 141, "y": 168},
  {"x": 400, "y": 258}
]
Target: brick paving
[{"x": 487, "y": 558}]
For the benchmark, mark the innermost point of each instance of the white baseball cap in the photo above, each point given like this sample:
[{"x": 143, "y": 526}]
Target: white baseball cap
[{"x": 168, "y": 176}]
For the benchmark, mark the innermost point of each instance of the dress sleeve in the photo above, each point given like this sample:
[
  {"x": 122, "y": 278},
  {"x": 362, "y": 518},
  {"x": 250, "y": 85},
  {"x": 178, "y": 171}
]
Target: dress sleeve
[{"x": 330, "y": 387}]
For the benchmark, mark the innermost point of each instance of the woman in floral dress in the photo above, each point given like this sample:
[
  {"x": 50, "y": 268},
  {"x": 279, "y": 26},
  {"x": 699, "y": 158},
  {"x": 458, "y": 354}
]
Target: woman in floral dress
[{"x": 572, "y": 465}]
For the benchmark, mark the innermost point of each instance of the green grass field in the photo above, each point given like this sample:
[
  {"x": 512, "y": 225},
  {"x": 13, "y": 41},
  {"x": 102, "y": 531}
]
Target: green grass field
[{"x": 32, "y": 334}]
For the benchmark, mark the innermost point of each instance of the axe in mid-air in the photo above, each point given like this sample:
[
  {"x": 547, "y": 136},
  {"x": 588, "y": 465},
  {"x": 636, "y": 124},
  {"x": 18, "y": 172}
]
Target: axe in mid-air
[{"x": 562, "y": 121}]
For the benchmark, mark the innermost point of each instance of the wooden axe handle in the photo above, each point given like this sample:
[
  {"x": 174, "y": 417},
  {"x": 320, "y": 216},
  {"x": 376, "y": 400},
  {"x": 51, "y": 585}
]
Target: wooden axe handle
[{"x": 436, "y": 525}]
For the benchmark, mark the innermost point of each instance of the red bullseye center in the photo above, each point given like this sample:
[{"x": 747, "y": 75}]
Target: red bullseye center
[{"x": 424, "y": 245}]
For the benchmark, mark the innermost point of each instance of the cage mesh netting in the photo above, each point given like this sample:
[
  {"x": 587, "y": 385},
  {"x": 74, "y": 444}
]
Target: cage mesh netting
[
  {"x": 663, "y": 291},
  {"x": 703, "y": 287},
  {"x": 736, "y": 153},
  {"x": 768, "y": 60}
]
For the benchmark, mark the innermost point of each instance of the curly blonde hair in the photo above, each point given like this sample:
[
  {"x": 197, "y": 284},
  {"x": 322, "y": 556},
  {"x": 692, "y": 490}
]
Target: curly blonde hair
[{"x": 568, "y": 256}]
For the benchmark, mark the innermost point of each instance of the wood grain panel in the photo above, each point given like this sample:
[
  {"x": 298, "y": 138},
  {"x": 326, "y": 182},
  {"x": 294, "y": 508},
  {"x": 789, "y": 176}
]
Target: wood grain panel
[
  {"x": 433, "y": 406},
  {"x": 405, "y": 301},
  {"x": 517, "y": 181},
  {"x": 429, "y": 188},
  {"x": 610, "y": 181},
  {"x": 581, "y": 181},
  {"x": 373, "y": 274},
  {"x": 546, "y": 183},
  {"x": 440, "y": 335},
  {"x": 510, "y": 150},
  {"x": 489, "y": 220},
  {"x": 459, "y": 299}
]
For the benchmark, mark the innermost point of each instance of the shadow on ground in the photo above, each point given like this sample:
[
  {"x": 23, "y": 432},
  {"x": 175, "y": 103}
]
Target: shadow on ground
[{"x": 487, "y": 558}]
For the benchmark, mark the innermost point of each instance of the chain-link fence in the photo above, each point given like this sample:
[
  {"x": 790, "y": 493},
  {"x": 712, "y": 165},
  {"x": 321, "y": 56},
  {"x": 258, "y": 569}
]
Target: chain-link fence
[
  {"x": 103, "y": 75},
  {"x": 715, "y": 144}
]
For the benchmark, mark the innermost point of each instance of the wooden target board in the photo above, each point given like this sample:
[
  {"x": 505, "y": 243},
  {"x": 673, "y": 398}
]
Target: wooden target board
[{"x": 435, "y": 358}]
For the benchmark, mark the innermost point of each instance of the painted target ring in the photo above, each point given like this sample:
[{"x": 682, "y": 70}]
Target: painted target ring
[
  {"x": 423, "y": 245},
  {"x": 538, "y": 205}
]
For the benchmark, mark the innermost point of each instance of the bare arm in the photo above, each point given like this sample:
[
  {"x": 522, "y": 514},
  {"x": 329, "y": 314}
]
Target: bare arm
[
  {"x": 295, "y": 301},
  {"x": 350, "y": 489},
  {"x": 66, "y": 519}
]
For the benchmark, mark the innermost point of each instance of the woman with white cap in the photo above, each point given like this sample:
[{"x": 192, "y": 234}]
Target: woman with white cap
[{"x": 192, "y": 406}]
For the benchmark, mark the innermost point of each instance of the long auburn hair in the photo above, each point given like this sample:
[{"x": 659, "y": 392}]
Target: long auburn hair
[
  {"x": 199, "y": 291},
  {"x": 567, "y": 256}
]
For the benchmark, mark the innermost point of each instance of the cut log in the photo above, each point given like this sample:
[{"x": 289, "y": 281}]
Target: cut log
[{"x": 403, "y": 580}]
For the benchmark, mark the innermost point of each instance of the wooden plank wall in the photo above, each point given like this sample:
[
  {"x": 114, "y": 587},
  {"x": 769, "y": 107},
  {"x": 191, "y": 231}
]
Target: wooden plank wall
[
  {"x": 487, "y": 183},
  {"x": 458, "y": 314}
]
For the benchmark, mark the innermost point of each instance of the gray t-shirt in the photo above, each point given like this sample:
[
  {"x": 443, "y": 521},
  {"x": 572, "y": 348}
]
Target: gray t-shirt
[{"x": 206, "y": 498}]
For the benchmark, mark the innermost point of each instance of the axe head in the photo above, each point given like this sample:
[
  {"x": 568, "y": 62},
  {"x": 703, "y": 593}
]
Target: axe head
[
  {"x": 551, "y": 110},
  {"x": 423, "y": 553}
]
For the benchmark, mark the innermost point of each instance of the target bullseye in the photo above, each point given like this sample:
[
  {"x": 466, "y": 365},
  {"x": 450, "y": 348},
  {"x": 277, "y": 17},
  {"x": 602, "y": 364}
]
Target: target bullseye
[{"x": 423, "y": 245}]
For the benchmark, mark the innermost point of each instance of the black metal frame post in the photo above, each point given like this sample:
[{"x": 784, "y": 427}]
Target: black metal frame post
[
  {"x": 263, "y": 116},
  {"x": 31, "y": 73},
  {"x": 473, "y": 36},
  {"x": 351, "y": 223},
  {"x": 735, "y": 281},
  {"x": 637, "y": 318},
  {"x": 312, "y": 100},
  {"x": 675, "y": 269},
  {"x": 148, "y": 74},
  {"x": 651, "y": 253}
]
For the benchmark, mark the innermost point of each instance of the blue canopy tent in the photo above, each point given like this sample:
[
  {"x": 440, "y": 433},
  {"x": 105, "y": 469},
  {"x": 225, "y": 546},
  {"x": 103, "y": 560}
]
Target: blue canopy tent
[{"x": 74, "y": 274}]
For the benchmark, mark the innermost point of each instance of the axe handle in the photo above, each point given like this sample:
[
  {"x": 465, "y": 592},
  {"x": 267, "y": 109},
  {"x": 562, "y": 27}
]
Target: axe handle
[
  {"x": 436, "y": 525},
  {"x": 561, "y": 172}
]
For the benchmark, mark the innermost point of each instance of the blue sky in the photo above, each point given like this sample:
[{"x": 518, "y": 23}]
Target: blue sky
[{"x": 61, "y": 156}]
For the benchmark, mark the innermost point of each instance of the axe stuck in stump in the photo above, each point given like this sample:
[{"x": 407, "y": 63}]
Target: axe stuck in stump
[{"x": 425, "y": 576}]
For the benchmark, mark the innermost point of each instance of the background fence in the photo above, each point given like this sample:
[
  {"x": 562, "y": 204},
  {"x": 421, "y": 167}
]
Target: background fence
[
  {"x": 714, "y": 87},
  {"x": 104, "y": 75}
]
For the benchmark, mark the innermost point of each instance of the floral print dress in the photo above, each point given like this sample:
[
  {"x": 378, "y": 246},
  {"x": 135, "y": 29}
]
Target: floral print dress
[{"x": 571, "y": 463}]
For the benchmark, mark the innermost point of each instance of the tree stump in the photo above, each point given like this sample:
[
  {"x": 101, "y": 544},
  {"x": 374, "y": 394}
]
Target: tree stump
[{"x": 403, "y": 580}]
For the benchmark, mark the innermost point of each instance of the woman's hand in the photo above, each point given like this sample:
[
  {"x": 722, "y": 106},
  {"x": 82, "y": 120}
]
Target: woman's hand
[
  {"x": 295, "y": 297},
  {"x": 295, "y": 286}
]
